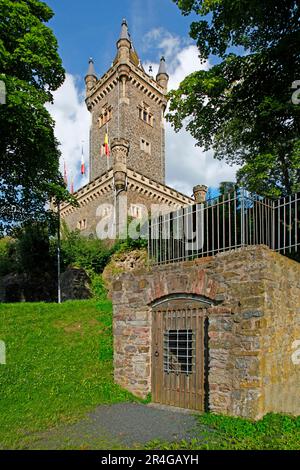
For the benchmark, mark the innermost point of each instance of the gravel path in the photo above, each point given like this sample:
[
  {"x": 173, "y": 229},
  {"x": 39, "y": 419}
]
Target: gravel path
[{"x": 124, "y": 425}]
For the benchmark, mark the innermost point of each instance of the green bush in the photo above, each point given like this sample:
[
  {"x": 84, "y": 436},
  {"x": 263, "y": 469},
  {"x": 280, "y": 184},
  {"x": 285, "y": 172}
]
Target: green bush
[
  {"x": 8, "y": 262},
  {"x": 89, "y": 254},
  {"x": 98, "y": 288},
  {"x": 129, "y": 244}
]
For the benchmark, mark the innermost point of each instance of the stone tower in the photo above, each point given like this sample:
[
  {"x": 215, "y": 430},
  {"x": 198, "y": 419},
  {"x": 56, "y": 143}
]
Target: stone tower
[{"x": 128, "y": 104}]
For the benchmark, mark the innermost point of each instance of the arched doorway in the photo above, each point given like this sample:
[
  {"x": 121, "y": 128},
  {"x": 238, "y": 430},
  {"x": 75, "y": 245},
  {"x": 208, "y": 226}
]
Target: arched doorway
[{"x": 180, "y": 351}]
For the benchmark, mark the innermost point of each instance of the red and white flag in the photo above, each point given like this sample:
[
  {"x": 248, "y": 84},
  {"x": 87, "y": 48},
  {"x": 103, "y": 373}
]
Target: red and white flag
[{"x": 82, "y": 163}]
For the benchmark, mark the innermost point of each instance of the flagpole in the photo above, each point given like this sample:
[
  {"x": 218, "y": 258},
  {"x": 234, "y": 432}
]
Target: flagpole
[
  {"x": 58, "y": 255},
  {"x": 72, "y": 184},
  {"x": 107, "y": 156},
  {"x": 118, "y": 106}
]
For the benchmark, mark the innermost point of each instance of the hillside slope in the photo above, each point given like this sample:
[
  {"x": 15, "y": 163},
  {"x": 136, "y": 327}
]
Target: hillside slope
[{"x": 58, "y": 366}]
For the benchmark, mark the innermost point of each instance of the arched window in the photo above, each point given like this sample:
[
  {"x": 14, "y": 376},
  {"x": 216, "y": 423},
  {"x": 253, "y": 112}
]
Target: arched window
[
  {"x": 105, "y": 115},
  {"x": 145, "y": 113}
]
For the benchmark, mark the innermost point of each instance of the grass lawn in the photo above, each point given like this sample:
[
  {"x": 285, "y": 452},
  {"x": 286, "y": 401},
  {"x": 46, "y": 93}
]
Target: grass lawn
[
  {"x": 213, "y": 432},
  {"x": 58, "y": 366}
]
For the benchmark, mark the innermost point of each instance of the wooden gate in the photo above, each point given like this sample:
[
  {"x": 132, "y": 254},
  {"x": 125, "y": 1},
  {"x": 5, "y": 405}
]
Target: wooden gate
[{"x": 178, "y": 359}]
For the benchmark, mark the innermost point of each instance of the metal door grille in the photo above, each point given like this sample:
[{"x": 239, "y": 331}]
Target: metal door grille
[
  {"x": 178, "y": 357},
  {"x": 179, "y": 351}
]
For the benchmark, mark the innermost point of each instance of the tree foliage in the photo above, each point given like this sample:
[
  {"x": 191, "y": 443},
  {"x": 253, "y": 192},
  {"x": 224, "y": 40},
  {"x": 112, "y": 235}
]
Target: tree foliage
[
  {"x": 81, "y": 252},
  {"x": 31, "y": 69},
  {"x": 241, "y": 107}
]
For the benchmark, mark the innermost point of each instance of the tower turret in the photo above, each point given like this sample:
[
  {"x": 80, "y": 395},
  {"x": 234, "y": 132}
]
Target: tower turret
[
  {"x": 124, "y": 43},
  {"x": 91, "y": 77},
  {"x": 200, "y": 192},
  {"x": 162, "y": 77}
]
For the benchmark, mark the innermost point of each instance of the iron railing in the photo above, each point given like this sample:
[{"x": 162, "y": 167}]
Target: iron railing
[{"x": 227, "y": 222}]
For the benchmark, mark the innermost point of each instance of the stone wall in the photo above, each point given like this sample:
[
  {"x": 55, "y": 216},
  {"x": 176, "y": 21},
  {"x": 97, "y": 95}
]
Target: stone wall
[
  {"x": 75, "y": 284},
  {"x": 254, "y": 319},
  {"x": 280, "y": 328}
]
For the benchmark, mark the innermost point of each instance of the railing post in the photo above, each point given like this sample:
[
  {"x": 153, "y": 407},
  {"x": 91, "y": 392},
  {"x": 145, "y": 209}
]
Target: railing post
[
  {"x": 273, "y": 225},
  {"x": 242, "y": 217}
]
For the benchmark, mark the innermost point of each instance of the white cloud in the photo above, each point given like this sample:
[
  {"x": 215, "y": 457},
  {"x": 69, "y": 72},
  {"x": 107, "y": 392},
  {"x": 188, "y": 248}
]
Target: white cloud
[
  {"x": 164, "y": 41},
  {"x": 187, "y": 165},
  {"x": 72, "y": 128}
]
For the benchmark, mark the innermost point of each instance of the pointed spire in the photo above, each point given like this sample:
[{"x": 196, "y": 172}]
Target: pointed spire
[
  {"x": 162, "y": 67},
  {"x": 91, "y": 70},
  {"x": 124, "y": 30},
  {"x": 162, "y": 76}
]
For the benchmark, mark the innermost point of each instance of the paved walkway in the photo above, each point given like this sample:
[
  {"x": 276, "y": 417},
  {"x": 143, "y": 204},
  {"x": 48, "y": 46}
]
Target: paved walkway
[{"x": 124, "y": 425}]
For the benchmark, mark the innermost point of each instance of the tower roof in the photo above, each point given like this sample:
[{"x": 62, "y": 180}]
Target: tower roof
[
  {"x": 124, "y": 30},
  {"x": 162, "y": 67},
  {"x": 91, "y": 70},
  {"x": 134, "y": 58}
]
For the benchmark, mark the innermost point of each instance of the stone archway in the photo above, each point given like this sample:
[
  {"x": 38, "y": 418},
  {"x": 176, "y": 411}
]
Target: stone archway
[
  {"x": 135, "y": 297},
  {"x": 196, "y": 283}
]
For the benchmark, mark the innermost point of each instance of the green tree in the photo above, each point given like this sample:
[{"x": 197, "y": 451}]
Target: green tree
[
  {"x": 31, "y": 70},
  {"x": 31, "y": 257},
  {"x": 241, "y": 107}
]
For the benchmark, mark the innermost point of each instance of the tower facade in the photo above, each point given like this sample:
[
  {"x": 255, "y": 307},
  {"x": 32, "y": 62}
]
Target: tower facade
[{"x": 128, "y": 103}]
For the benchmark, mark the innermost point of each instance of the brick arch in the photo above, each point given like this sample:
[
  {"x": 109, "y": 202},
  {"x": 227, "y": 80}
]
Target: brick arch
[
  {"x": 192, "y": 299},
  {"x": 194, "y": 283}
]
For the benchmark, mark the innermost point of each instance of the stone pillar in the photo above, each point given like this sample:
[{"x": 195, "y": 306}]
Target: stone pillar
[
  {"x": 123, "y": 72},
  {"x": 120, "y": 149},
  {"x": 90, "y": 82},
  {"x": 200, "y": 192}
]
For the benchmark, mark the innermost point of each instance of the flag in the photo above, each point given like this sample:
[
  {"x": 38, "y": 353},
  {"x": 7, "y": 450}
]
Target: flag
[
  {"x": 65, "y": 174},
  {"x": 106, "y": 143},
  {"x": 82, "y": 163}
]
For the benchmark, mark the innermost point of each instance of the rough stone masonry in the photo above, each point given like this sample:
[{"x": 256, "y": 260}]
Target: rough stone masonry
[{"x": 254, "y": 325}]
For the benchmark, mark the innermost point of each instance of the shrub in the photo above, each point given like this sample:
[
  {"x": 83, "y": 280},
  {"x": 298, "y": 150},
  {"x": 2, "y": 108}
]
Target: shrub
[
  {"x": 89, "y": 254},
  {"x": 98, "y": 288},
  {"x": 7, "y": 256}
]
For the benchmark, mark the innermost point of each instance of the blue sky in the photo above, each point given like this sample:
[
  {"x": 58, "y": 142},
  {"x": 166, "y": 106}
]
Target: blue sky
[{"x": 90, "y": 29}]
